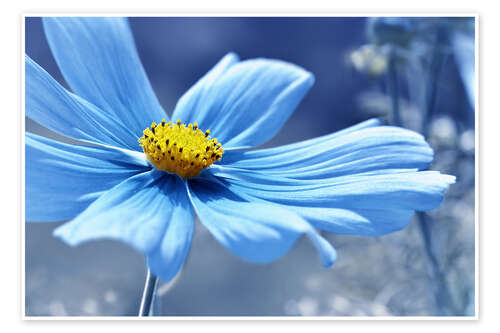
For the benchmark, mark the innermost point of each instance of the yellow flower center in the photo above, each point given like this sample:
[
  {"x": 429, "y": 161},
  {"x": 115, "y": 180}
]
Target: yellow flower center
[{"x": 184, "y": 150}]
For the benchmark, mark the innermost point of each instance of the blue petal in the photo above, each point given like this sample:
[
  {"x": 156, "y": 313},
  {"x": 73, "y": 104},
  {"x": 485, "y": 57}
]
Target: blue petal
[
  {"x": 49, "y": 104},
  {"x": 191, "y": 106},
  {"x": 410, "y": 190},
  {"x": 244, "y": 104},
  {"x": 167, "y": 259},
  {"x": 62, "y": 180},
  {"x": 254, "y": 231},
  {"x": 363, "y": 180},
  {"x": 369, "y": 204},
  {"x": 355, "y": 150},
  {"x": 361, "y": 222},
  {"x": 136, "y": 211},
  {"x": 234, "y": 156},
  {"x": 98, "y": 59}
]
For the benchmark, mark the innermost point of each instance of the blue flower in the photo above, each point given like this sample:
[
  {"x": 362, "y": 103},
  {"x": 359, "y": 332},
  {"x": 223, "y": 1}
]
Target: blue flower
[{"x": 364, "y": 180}]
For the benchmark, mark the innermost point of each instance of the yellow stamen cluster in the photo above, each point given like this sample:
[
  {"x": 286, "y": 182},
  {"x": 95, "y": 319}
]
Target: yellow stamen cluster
[{"x": 184, "y": 150}]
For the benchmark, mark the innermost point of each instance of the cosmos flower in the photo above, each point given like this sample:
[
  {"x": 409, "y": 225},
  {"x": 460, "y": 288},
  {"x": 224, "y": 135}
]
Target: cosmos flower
[{"x": 142, "y": 178}]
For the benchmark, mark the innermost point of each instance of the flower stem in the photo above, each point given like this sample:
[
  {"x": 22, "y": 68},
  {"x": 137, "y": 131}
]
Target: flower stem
[
  {"x": 148, "y": 295},
  {"x": 393, "y": 86},
  {"x": 442, "y": 293},
  {"x": 443, "y": 298},
  {"x": 436, "y": 65}
]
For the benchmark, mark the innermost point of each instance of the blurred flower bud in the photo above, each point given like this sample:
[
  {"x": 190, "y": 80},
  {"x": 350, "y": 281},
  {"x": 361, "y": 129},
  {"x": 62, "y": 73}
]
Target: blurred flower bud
[
  {"x": 467, "y": 142},
  {"x": 390, "y": 30},
  {"x": 369, "y": 59},
  {"x": 442, "y": 132}
]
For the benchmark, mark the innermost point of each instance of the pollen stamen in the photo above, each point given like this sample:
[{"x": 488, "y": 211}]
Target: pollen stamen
[{"x": 193, "y": 150}]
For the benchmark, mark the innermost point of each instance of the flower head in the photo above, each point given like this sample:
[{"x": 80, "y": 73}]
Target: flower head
[{"x": 140, "y": 185}]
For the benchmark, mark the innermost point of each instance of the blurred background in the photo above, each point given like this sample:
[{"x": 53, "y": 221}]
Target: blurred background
[{"x": 412, "y": 72}]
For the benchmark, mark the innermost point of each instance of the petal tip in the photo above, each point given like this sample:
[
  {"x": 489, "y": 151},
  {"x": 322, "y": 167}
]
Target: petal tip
[
  {"x": 232, "y": 57},
  {"x": 451, "y": 179},
  {"x": 309, "y": 79},
  {"x": 62, "y": 233},
  {"x": 328, "y": 262}
]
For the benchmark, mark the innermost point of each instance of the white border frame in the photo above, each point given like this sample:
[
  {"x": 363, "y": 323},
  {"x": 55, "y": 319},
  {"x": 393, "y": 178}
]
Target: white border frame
[{"x": 266, "y": 13}]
